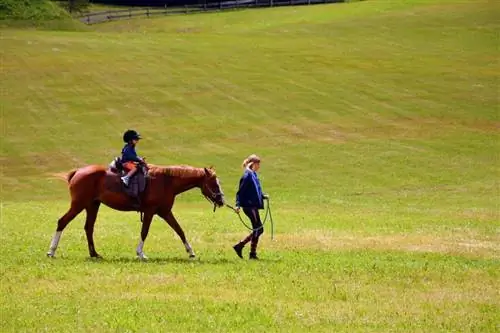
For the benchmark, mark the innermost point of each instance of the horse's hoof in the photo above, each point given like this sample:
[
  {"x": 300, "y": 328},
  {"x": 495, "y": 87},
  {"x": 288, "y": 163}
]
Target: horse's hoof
[
  {"x": 95, "y": 256},
  {"x": 192, "y": 256},
  {"x": 142, "y": 257},
  {"x": 50, "y": 255}
]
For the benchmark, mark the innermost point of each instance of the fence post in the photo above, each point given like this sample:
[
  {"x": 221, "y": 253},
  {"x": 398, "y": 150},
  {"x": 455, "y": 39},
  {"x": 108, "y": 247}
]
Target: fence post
[
  {"x": 271, "y": 3},
  {"x": 130, "y": 12},
  {"x": 147, "y": 12},
  {"x": 88, "y": 19}
]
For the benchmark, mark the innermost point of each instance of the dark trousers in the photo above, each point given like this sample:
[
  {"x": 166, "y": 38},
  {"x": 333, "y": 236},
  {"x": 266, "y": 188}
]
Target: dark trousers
[{"x": 254, "y": 216}]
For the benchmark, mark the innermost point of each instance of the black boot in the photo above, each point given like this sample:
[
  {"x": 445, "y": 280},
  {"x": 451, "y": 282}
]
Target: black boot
[
  {"x": 253, "y": 256},
  {"x": 238, "y": 248}
]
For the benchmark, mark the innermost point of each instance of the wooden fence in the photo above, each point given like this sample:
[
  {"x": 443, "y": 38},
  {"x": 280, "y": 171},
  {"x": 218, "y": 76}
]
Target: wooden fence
[{"x": 112, "y": 15}]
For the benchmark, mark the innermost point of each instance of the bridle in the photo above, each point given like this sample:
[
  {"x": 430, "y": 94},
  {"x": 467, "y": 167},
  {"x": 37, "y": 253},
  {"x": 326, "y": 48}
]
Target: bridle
[{"x": 212, "y": 196}]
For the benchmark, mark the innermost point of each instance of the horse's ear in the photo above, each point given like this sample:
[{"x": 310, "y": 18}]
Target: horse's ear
[{"x": 207, "y": 172}]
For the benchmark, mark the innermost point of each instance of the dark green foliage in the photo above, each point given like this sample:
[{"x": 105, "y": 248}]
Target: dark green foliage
[
  {"x": 34, "y": 10},
  {"x": 75, "y": 6}
]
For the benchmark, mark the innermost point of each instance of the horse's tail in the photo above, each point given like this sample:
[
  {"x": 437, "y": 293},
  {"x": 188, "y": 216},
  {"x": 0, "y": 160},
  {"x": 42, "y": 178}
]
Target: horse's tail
[{"x": 70, "y": 175}]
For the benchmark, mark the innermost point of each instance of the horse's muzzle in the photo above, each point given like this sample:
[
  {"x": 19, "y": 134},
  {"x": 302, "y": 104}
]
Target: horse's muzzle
[{"x": 220, "y": 201}]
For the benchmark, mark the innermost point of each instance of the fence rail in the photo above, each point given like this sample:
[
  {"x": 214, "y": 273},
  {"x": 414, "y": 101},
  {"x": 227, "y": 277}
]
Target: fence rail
[{"x": 112, "y": 15}]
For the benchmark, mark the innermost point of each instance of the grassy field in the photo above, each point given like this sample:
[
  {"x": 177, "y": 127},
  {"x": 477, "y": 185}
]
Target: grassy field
[{"x": 378, "y": 125}]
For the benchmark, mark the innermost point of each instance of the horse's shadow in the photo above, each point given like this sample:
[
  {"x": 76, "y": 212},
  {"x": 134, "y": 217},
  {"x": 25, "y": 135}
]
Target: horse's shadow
[
  {"x": 173, "y": 260},
  {"x": 162, "y": 261}
]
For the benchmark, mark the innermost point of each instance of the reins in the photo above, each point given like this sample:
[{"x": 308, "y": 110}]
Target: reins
[{"x": 268, "y": 215}]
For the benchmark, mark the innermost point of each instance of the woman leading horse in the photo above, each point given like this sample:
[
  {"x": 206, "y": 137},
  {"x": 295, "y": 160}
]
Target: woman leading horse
[{"x": 92, "y": 185}]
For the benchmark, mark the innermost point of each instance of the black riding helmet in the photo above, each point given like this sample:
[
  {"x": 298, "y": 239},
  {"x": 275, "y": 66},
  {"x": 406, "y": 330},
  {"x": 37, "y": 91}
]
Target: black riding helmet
[{"x": 130, "y": 135}]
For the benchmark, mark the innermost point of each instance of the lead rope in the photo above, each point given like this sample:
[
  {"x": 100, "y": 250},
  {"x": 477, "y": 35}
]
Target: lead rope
[{"x": 268, "y": 215}]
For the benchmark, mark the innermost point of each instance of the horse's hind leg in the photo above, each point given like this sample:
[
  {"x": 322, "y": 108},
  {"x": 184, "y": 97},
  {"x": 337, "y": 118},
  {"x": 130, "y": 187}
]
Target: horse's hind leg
[
  {"x": 168, "y": 216},
  {"x": 73, "y": 211},
  {"x": 92, "y": 211}
]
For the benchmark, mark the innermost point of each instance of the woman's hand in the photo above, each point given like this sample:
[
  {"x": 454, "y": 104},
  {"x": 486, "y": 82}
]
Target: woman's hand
[{"x": 237, "y": 210}]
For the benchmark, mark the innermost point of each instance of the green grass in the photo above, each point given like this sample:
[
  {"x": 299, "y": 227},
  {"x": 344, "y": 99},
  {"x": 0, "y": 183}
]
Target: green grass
[{"x": 378, "y": 125}]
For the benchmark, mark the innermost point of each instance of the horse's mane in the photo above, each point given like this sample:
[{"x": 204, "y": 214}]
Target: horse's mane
[{"x": 182, "y": 171}]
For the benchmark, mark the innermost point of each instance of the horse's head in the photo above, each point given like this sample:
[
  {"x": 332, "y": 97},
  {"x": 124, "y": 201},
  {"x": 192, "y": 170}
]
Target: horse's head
[{"x": 211, "y": 188}]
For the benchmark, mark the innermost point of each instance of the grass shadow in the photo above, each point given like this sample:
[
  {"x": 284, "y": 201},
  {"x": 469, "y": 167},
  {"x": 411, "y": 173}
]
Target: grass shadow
[
  {"x": 161, "y": 261},
  {"x": 176, "y": 260}
]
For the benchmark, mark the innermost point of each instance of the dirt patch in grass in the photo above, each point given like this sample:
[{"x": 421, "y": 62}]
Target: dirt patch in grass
[
  {"x": 452, "y": 244},
  {"x": 59, "y": 175}
]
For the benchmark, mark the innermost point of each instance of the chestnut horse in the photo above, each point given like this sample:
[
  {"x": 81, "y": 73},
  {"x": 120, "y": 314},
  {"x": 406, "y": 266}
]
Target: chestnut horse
[{"x": 92, "y": 185}]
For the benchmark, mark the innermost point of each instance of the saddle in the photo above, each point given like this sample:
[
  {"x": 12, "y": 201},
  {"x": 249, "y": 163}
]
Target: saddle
[{"x": 137, "y": 183}]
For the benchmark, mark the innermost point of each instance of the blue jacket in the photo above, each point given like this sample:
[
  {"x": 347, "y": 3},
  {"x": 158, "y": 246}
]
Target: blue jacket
[
  {"x": 129, "y": 154},
  {"x": 250, "y": 192}
]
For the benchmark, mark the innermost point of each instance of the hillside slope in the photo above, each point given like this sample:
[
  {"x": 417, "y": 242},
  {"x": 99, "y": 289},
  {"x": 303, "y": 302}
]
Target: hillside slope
[{"x": 377, "y": 95}]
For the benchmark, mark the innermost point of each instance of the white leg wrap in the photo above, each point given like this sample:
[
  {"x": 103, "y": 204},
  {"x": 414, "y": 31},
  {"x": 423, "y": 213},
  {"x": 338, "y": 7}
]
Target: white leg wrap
[
  {"x": 54, "y": 244},
  {"x": 189, "y": 250},
  {"x": 140, "y": 252}
]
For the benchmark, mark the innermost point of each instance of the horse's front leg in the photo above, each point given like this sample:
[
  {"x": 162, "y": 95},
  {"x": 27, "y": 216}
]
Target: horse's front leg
[
  {"x": 168, "y": 216},
  {"x": 146, "y": 223}
]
